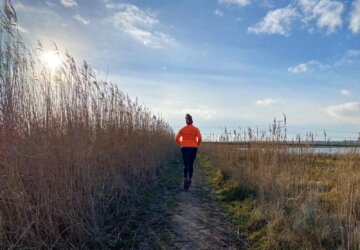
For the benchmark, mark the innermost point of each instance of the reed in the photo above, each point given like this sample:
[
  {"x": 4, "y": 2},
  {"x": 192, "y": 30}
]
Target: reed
[
  {"x": 296, "y": 199},
  {"x": 75, "y": 152}
]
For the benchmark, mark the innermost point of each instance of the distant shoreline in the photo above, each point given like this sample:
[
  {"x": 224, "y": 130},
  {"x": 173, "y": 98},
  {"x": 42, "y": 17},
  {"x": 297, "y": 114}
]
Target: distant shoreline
[{"x": 349, "y": 144}]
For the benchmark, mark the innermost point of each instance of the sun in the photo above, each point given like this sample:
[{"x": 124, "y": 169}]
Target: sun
[{"x": 52, "y": 60}]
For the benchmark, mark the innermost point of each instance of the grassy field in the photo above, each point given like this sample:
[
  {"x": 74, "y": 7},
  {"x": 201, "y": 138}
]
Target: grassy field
[
  {"x": 284, "y": 200},
  {"x": 75, "y": 152}
]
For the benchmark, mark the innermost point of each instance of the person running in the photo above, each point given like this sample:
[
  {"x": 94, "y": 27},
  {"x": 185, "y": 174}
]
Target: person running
[{"x": 189, "y": 138}]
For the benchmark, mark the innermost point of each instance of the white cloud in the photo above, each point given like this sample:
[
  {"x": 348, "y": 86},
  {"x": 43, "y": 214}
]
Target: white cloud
[
  {"x": 234, "y": 2},
  {"x": 81, "y": 19},
  {"x": 275, "y": 22},
  {"x": 348, "y": 111},
  {"x": 218, "y": 13},
  {"x": 69, "y": 3},
  {"x": 266, "y": 102},
  {"x": 139, "y": 24},
  {"x": 301, "y": 68},
  {"x": 202, "y": 111},
  {"x": 327, "y": 13},
  {"x": 350, "y": 57},
  {"x": 315, "y": 14},
  {"x": 306, "y": 67},
  {"x": 355, "y": 17},
  {"x": 345, "y": 92}
]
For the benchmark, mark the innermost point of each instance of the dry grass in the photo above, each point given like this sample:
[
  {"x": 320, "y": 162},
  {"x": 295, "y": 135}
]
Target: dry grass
[
  {"x": 74, "y": 152},
  {"x": 303, "y": 200}
]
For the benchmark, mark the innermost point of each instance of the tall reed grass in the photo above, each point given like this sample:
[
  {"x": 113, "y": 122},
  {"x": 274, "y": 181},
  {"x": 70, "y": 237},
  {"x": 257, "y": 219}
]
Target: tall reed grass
[
  {"x": 74, "y": 152},
  {"x": 302, "y": 200}
]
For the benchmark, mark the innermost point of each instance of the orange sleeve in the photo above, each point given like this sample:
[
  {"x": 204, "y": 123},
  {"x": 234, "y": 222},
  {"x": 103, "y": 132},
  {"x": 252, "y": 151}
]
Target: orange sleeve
[
  {"x": 178, "y": 137},
  {"x": 199, "y": 137}
]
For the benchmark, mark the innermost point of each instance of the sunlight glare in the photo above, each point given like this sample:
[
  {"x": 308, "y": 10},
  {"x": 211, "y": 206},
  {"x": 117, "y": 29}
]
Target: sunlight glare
[{"x": 52, "y": 60}]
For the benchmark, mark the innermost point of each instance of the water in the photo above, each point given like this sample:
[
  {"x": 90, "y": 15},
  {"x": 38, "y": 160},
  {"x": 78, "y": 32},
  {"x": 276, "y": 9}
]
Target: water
[
  {"x": 325, "y": 150},
  {"x": 319, "y": 150}
]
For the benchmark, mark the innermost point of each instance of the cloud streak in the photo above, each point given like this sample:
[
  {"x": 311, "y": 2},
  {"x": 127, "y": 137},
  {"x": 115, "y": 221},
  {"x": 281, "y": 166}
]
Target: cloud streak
[
  {"x": 349, "y": 57},
  {"x": 315, "y": 14},
  {"x": 234, "y": 2},
  {"x": 69, "y": 3},
  {"x": 275, "y": 22},
  {"x": 301, "y": 68},
  {"x": 201, "y": 111},
  {"x": 266, "y": 102},
  {"x": 306, "y": 67},
  {"x": 355, "y": 17},
  {"x": 81, "y": 19},
  {"x": 139, "y": 24},
  {"x": 326, "y": 13},
  {"x": 348, "y": 111}
]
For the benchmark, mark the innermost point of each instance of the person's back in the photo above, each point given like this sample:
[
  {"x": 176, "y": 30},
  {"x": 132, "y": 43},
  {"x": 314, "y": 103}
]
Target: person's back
[{"x": 189, "y": 138}]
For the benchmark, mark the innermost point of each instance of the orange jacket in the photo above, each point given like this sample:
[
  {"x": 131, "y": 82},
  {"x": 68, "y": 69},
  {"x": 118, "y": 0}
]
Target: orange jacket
[{"x": 189, "y": 136}]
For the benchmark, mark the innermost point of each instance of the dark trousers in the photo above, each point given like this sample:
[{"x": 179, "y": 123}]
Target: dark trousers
[{"x": 188, "y": 155}]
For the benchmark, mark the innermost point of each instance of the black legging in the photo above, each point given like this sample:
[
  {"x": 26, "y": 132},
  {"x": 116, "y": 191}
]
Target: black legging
[{"x": 189, "y": 155}]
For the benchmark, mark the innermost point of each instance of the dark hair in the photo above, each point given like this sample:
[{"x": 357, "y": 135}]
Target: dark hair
[{"x": 189, "y": 119}]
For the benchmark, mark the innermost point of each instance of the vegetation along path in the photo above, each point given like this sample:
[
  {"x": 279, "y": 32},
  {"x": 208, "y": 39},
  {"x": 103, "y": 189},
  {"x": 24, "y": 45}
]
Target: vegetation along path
[{"x": 180, "y": 219}]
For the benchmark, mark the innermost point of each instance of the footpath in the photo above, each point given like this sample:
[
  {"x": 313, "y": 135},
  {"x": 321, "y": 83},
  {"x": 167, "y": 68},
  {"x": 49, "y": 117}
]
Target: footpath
[{"x": 179, "y": 219}]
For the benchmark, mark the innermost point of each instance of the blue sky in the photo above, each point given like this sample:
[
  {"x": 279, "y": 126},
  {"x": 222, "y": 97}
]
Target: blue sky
[{"x": 234, "y": 63}]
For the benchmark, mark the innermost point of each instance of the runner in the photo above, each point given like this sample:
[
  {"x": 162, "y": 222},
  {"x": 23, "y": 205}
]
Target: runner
[{"x": 189, "y": 138}]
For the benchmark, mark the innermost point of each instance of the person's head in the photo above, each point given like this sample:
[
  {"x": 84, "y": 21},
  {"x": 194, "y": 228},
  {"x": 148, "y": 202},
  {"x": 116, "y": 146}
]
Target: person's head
[{"x": 188, "y": 119}]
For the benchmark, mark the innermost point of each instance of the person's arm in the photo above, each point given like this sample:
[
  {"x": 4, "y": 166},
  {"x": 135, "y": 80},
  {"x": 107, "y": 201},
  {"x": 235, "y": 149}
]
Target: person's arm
[
  {"x": 178, "y": 137},
  {"x": 199, "y": 137}
]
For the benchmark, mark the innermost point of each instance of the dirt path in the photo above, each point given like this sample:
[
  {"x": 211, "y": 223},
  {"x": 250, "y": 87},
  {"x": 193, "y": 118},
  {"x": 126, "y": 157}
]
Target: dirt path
[{"x": 189, "y": 220}]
